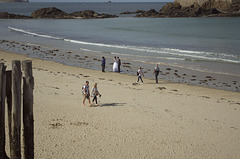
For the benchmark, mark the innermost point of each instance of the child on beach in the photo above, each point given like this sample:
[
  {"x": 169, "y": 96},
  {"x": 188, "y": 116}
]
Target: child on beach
[
  {"x": 95, "y": 93},
  {"x": 140, "y": 74},
  {"x": 86, "y": 93}
]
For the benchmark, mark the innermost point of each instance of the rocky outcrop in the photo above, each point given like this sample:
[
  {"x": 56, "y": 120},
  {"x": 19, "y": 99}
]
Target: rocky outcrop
[
  {"x": 209, "y": 8},
  {"x": 55, "y": 13},
  {"x": 89, "y": 14},
  {"x": 6, "y": 15},
  {"x": 151, "y": 13},
  {"x": 14, "y": 1},
  {"x": 52, "y": 13},
  {"x": 137, "y": 12}
]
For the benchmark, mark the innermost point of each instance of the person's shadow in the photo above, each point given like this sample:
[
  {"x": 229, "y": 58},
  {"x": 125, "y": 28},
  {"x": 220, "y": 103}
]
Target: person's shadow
[{"x": 112, "y": 104}]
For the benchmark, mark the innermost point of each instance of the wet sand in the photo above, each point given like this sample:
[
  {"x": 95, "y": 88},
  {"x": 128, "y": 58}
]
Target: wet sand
[
  {"x": 165, "y": 120},
  {"x": 91, "y": 60}
]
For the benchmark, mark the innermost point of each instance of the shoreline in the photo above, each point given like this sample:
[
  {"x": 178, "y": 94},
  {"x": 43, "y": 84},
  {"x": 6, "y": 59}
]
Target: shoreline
[
  {"x": 92, "y": 60},
  {"x": 165, "y": 120}
]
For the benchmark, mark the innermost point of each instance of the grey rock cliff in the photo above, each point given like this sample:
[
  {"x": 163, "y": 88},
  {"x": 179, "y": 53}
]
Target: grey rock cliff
[{"x": 209, "y": 8}]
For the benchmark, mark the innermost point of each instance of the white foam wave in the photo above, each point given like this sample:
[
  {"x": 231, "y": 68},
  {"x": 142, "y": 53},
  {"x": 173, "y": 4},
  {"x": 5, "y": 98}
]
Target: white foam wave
[
  {"x": 34, "y": 34},
  {"x": 142, "y": 56},
  {"x": 150, "y": 52}
]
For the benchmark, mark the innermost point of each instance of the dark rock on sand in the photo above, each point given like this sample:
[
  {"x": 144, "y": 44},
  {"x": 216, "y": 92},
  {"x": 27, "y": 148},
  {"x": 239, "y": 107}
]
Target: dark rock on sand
[{"x": 208, "y": 77}]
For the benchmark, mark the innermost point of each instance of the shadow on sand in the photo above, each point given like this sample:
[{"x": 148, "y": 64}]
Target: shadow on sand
[{"x": 112, "y": 104}]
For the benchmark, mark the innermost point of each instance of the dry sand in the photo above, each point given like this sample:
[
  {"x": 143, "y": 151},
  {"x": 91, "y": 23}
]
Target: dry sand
[{"x": 165, "y": 120}]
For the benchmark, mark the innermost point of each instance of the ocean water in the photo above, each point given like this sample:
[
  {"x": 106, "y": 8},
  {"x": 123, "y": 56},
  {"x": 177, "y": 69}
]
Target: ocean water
[{"x": 200, "y": 45}]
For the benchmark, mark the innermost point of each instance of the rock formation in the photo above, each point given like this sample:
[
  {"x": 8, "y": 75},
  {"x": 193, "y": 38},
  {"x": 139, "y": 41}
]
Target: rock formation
[
  {"x": 6, "y": 15},
  {"x": 136, "y": 12},
  {"x": 55, "y": 13},
  {"x": 209, "y": 8},
  {"x": 14, "y": 1},
  {"x": 50, "y": 13},
  {"x": 89, "y": 14}
]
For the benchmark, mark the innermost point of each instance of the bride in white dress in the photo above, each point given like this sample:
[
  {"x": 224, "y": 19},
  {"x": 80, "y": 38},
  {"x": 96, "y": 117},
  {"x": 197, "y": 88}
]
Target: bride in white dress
[{"x": 115, "y": 65}]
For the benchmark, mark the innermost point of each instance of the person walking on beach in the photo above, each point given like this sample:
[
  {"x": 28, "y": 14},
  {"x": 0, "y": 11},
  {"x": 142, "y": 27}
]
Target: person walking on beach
[
  {"x": 156, "y": 72},
  {"x": 95, "y": 93},
  {"x": 119, "y": 64},
  {"x": 86, "y": 93},
  {"x": 140, "y": 74},
  {"x": 103, "y": 64}
]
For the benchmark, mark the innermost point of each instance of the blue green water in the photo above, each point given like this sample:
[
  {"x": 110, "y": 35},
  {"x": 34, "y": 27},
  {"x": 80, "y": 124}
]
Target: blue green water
[{"x": 199, "y": 44}]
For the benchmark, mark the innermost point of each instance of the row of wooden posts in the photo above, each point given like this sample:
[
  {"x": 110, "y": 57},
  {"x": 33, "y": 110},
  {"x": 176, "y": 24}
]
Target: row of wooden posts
[{"x": 11, "y": 90}]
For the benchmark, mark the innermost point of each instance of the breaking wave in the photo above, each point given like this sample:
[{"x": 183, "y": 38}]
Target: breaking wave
[{"x": 148, "y": 52}]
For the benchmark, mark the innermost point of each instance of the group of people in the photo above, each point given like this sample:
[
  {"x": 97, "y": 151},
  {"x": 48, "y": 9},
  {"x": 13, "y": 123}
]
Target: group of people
[
  {"x": 86, "y": 93},
  {"x": 140, "y": 73},
  {"x": 116, "y": 68},
  {"x": 116, "y": 64}
]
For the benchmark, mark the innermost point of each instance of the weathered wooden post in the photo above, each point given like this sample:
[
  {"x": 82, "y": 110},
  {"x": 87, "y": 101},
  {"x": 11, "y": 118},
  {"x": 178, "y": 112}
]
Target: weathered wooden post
[
  {"x": 15, "y": 150},
  {"x": 28, "y": 85},
  {"x": 2, "y": 111},
  {"x": 9, "y": 102}
]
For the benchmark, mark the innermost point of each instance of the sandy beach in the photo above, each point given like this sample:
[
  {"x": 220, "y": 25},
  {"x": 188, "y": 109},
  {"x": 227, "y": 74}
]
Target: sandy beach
[{"x": 165, "y": 120}]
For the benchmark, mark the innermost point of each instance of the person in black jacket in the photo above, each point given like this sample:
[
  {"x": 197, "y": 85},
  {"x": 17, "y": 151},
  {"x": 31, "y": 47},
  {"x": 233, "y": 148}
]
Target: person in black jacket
[
  {"x": 103, "y": 64},
  {"x": 119, "y": 64},
  {"x": 156, "y": 72}
]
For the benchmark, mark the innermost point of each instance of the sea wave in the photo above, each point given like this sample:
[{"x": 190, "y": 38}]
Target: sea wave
[
  {"x": 176, "y": 54},
  {"x": 148, "y": 52},
  {"x": 34, "y": 34}
]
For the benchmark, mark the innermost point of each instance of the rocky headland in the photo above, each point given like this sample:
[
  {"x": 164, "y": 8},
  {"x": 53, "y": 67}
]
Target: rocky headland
[
  {"x": 6, "y": 15},
  {"x": 172, "y": 9},
  {"x": 209, "y": 8},
  {"x": 55, "y": 13},
  {"x": 2, "y": 1}
]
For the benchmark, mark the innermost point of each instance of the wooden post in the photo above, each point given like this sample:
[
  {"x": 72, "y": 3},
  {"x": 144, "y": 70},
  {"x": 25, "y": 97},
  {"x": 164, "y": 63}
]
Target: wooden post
[
  {"x": 2, "y": 111},
  {"x": 15, "y": 150},
  {"x": 9, "y": 102},
  {"x": 28, "y": 135}
]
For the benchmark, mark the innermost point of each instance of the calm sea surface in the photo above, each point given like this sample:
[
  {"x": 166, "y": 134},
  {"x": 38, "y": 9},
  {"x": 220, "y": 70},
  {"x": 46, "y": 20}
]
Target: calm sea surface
[{"x": 200, "y": 44}]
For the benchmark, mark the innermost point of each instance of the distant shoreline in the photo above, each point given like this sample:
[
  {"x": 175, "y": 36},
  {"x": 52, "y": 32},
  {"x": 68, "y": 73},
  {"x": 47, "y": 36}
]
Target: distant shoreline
[
  {"x": 14, "y": 1},
  {"x": 175, "y": 10}
]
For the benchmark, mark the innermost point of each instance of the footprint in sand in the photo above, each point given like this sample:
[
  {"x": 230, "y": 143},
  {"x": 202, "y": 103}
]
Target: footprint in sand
[
  {"x": 161, "y": 88},
  {"x": 234, "y": 128},
  {"x": 56, "y": 125},
  {"x": 206, "y": 97},
  {"x": 79, "y": 123}
]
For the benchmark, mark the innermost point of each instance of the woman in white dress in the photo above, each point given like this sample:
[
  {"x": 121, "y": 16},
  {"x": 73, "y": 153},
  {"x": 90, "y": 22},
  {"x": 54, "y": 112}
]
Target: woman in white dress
[{"x": 115, "y": 65}]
